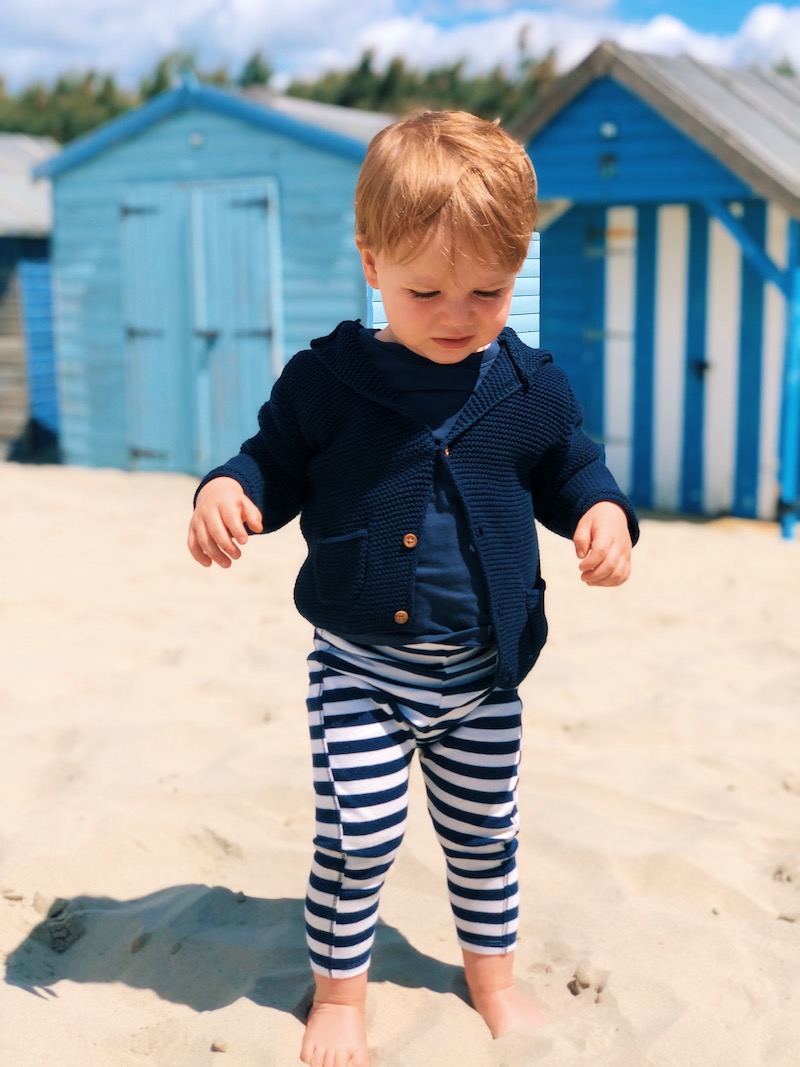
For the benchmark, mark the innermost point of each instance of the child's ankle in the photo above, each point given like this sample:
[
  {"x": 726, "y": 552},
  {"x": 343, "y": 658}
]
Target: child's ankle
[{"x": 347, "y": 991}]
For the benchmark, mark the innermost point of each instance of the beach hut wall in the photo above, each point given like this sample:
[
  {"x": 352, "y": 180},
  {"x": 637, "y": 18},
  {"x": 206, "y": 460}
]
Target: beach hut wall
[{"x": 671, "y": 194}]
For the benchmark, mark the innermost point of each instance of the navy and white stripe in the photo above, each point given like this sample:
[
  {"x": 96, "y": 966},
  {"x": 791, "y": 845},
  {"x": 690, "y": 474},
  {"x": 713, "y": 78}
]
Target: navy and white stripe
[
  {"x": 370, "y": 709},
  {"x": 678, "y": 358}
]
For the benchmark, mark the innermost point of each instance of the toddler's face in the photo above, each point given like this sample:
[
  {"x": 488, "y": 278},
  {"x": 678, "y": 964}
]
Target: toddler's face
[{"x": 438, "y": 311}]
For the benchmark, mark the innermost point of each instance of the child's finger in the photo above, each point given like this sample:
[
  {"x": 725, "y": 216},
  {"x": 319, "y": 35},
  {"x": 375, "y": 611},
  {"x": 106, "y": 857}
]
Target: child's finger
[
  {"x": 195, "y": 550},
  {"x": 612, "y": 568},
  {"x": 215, "y": 540},
  {"x": 228, "y": 527},
  {"x": 252, "y": 516},
  {"x": 582, "y": 538}
]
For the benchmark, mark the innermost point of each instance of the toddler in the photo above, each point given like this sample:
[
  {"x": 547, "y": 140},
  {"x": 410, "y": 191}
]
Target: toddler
[{"x": 418, "y": 458}]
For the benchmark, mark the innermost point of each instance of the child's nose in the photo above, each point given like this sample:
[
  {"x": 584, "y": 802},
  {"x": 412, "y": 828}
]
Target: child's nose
[{"x": 459, "y": 312}]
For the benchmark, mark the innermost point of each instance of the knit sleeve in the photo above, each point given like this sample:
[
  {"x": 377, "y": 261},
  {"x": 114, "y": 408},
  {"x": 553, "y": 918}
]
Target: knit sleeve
[
  {"x": 572, "y": 476},
  {"x": 271, "y": 466}
]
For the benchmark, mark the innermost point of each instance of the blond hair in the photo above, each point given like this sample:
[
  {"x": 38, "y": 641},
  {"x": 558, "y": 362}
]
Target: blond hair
[{"x": 451, "y": 175}]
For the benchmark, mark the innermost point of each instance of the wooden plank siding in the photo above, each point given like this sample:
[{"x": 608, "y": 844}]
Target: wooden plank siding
[
  {"x": 690, "y": 417},
  {"x": 14, "y": 389},
  {"x": 35, "y": 279},
  {"x": 611, "y": 147}
]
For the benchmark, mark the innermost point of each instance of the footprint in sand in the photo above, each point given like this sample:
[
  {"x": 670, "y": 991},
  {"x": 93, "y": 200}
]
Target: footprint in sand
[
  {"x": 588, "y": 981},
  {"x": 61, "y": 928},
  {"x": 788, "y": 870}
]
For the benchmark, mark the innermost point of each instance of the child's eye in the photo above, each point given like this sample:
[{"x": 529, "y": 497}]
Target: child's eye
[
  {"x": 423, "y": 296},
  {"x": 488, "y": 294}
]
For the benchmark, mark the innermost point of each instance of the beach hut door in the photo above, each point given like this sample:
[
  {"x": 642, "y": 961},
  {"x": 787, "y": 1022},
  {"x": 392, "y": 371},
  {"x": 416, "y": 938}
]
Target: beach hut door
[
  {"x": 154, "y": 239},
  {"x": 234, "y": 238},
  {"x": 199, "y": 305}
]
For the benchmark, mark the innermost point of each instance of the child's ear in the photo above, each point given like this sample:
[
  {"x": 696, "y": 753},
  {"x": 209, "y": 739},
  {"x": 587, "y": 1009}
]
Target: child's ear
[{"x": 368, "y": 263}]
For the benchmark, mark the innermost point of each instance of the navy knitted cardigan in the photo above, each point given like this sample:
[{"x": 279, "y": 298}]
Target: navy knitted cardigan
[{"x": 336, "y": 446}]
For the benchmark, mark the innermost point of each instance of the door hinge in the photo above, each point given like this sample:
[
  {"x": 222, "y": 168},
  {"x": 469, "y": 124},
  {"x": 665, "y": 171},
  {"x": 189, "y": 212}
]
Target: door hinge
[
  {"x": 256, "y": 201},
  {"x": 136, "y": 209},
  {"x": 132, "y": 332},
  {"x": 145, "y": 453}
]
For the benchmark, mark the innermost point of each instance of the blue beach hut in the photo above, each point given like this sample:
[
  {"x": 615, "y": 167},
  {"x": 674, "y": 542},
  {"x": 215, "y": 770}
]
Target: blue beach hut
[
  {"x": 27, "y": 374},
  {"x": 198, "y": 241},
  {"x": 670, "y": 244}
]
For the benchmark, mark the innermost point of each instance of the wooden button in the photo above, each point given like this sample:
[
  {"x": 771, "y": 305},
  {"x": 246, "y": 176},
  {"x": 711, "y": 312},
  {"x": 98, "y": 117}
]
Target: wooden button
[
  {"x": 410, "y": 540},
  {"x": 401, "y": 617}
]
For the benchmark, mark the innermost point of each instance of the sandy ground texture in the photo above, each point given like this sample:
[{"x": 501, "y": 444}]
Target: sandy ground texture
[{"x": 156, "y": 808}]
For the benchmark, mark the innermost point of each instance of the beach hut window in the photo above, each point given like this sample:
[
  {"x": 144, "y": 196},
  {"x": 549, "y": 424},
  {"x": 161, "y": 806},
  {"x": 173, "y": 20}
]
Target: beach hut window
[
  {"x": 608, "y": 131},
  {"x": 607, "y": 162}
]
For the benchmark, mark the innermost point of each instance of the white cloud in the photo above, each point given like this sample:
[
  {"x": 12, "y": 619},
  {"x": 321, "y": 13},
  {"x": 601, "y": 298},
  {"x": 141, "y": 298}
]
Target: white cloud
[
  {"x": 449, "y": 9},
  {"x": 772, "y": 30},
  {"x": 40, "y": 39}
]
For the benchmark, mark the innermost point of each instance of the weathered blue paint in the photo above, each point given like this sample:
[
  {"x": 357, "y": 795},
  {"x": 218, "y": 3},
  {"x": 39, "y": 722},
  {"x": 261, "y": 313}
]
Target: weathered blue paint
[
  {"x": 751, "y": 328},
  {"x": 789, "y": 508},
  {"x": 644, "y": 358},
  {"x": 752, "y": 250},
  {"x": 594, "y": 372},
  {"x": 646, "y": 160},
  {"x": 573, "y": 296},
  {"x": 693, "y": 465},
  {"x": 37, "y": 315},
  {"x": 158, "y": 403}
]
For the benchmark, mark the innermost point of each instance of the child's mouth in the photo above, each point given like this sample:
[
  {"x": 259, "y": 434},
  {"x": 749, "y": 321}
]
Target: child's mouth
[{"x": 452, "y": 342}]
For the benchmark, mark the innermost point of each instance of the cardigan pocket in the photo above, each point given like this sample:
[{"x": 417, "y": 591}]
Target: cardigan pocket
[
  {"x": 340, "y": 567},
  {"x": 537, "y": 623}
]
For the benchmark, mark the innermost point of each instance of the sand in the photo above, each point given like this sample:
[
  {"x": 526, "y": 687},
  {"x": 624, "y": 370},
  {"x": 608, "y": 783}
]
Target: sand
[{"x": 156, "y": 808}]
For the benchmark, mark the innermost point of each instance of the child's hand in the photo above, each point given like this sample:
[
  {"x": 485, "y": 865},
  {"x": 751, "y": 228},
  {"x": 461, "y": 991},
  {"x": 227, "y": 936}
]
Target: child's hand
[
  {"x": 218, "y": 522},
  {"x": 603, "y": 545}
]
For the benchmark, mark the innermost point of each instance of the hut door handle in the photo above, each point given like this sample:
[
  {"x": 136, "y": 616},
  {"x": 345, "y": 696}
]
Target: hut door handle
[{"x": 265, "y": 332}]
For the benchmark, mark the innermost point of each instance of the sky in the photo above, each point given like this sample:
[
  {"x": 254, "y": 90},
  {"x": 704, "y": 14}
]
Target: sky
[{"x": 40, "y": 39}]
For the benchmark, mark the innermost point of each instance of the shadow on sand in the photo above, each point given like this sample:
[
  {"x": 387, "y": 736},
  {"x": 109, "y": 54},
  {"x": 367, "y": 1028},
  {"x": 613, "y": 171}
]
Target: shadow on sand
[{"x": 200, "y": 946}]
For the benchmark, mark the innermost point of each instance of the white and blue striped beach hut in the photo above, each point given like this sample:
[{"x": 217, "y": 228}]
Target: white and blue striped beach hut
[
  {"x": 670, "y": 246},
  {"x": 198, "y": 241}
]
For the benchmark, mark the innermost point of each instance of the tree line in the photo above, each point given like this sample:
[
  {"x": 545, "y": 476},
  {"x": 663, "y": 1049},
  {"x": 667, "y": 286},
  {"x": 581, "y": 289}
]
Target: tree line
[{"x": 75, "y": 104}]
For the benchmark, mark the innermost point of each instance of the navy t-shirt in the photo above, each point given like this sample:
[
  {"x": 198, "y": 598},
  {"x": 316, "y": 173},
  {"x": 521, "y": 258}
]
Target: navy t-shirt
[{"x": 450, "y": 603}]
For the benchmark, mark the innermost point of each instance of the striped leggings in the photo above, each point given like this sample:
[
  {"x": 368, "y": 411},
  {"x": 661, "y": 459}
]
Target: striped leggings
[{"x": 369, "y": 710}]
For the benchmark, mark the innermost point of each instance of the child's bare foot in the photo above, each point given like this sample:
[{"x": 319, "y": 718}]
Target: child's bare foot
[
  {"x": 336, "y": 1032},
  {"x": 495, "y": 996}
]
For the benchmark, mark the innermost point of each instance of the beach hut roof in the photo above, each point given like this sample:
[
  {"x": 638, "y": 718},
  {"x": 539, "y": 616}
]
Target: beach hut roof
[
  {"x": 25, "y": 205},
  {"x": 348, "y": 121},
  {"x": 748, "y": 119},
  {"x": 341, "y": 131}
]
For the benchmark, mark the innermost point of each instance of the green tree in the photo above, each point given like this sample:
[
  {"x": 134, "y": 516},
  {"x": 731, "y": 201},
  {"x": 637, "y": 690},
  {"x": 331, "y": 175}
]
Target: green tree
[
  {"x": 256, "y": 71},
  {"x": 74, "y": 105},
  {"x": 400, "y": 90},
  {"x": 174, "y": 66}
]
